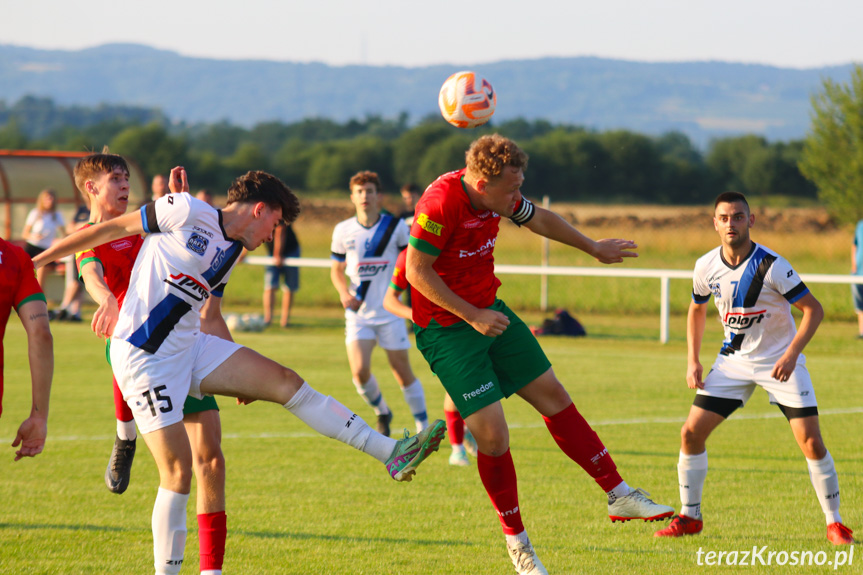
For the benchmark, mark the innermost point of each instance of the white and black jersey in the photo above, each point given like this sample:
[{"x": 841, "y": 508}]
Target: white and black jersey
[
  {"x": 370, "y": 255},
  {"x": 754, "y": 301},
  {"x": 185, "y": 258}
]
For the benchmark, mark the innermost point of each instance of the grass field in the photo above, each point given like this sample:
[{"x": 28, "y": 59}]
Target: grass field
[{"x": 300, "y": 503}]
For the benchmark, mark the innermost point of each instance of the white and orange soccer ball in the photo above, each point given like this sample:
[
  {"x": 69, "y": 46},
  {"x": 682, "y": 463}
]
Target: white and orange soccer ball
[{"x": 467, "y": 100}]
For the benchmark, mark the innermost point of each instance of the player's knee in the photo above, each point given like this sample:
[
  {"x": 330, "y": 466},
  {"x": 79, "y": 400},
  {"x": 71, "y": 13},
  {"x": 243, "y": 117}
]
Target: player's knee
[
  {"x": 210, "y": 467},
  {"x": 813, "y": 447},
  {"x": 691, "y": 439}
]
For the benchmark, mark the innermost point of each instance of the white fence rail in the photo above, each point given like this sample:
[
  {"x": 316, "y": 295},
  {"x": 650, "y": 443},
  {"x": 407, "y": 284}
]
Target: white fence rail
[{"x": 664, "y": 277}]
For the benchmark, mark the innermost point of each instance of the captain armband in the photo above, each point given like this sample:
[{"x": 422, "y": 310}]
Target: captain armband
[{"x": 523, "y": 212}]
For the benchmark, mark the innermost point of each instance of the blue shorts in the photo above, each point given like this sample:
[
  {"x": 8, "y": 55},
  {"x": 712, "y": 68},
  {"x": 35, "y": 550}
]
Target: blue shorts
[{"x": 290, "y": 275}]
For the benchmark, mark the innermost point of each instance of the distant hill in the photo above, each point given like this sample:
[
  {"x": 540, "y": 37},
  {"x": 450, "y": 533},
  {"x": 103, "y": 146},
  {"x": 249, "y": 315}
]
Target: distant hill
[{"x": 701, "y": 99}]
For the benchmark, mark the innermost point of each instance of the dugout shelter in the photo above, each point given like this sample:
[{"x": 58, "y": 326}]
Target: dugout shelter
[{"x": 25, "y": 173}]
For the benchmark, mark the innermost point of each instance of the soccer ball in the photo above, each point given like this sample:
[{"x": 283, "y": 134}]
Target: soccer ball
[{"x": 467, "y": 100}]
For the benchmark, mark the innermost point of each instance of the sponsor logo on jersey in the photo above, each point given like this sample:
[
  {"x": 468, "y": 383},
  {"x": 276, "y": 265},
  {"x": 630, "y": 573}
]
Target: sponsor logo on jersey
[
  {"x": 428, "y": 225},
  {"x": 207, "y": 233},
  {"x": 471, "y": 224},
  {"x": 479, "y": 391},
  {"x": 198, "y": 244},
  {"x": 350, "y": 244},
  {"x": 121, "y": 245},
  {"x": 368, "y": 270},
  {"x": 483, "y": 249},
  {"x": 189, "y": 286},
  {"x": 715, "y": 289},
  {"x": 740, "y": 321}
]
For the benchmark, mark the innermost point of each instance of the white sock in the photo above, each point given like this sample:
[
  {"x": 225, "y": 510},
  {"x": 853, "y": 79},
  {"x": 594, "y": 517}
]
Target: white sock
[
  {"x": 371, "y": 394},
  {"x": 822, "y": 473},
  {"x": 212, "y": 572},
  {"x": 691, "y": 473},
  {"x": 511, "y": 540},
  {"x": 332, "y": 419},
  {"x": 126, "y": 430},
  {"x": 620, "y": 490},
  {"x": 416, "y": 400},
  {"x": 169, "y": 531}
]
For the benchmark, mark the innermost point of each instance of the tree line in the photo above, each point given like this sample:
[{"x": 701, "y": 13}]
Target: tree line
[{"x": 568, "y": 163}]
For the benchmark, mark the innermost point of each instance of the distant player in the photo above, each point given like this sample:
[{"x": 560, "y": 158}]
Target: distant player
[
  {"x": 481, "y": 351},
  {"x": 103, "y": 180},
  {"x": 460, "y": 438},
  {"x": 364, "y": 252},
  {"x": 753, "y": 288},
  {"x": 160, "y": 356},
  {"x": 19, "y": 289}
]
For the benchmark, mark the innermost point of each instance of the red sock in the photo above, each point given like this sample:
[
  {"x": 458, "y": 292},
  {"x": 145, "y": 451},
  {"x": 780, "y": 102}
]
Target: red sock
[
  {"x": 121, "y": 410},
  {"x": 498, "y": 477},
  {"x": 580, "y": 442},
  {"x": 212, "y": 532},
  {"x": 454, "y": 427}
]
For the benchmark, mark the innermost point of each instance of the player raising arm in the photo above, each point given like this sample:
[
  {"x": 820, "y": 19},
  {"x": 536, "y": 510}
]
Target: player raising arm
[
  {"x": 19, "y": 289},
  {"x": 480, "y": 349},
  {"x": 159, "y": 354}
]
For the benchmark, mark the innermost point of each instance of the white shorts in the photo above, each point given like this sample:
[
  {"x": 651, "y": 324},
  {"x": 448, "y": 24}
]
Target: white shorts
[
  {"x": 155, "y": 388},
  {"x": 392, "y": 335},
  {"x": 731, "y": 379}
]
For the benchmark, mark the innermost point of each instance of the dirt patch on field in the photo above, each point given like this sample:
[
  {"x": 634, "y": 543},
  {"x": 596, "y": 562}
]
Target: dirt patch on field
[{"x": 791, "y": 220}]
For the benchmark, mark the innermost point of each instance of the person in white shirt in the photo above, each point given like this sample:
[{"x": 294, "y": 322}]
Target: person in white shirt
[
  {"x": 160, "y": 354},
  {"x": 43, "y": 224},
  {"x": 753, "y": 288},
  {"x": 364, "y": 252}
]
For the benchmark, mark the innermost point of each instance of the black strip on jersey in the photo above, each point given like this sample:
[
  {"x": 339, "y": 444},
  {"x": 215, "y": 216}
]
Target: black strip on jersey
[
  {"x": 700, "y": 298},
  {"x": 523, "y": 212},
  {"x": 719, "y": 405},
  {"x": 152, "y": 223},
  {"x": 795, "y": 291},
  {"x": 758, "y": 281},
  {"x": 797, "y": 412},
  {"x": 222, "y": 226},
  {"x": 362, "y": 289},
  {"x": 730, "y": 348},
  {"x": 226, "y": 266},
  {"x": 385, "y": 238},
  {"x": 164, "y": 327}
]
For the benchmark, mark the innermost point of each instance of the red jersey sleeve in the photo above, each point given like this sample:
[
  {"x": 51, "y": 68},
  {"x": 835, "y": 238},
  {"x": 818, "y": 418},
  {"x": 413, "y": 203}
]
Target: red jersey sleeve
[
  {"x": 400, "y": 278},
  {"x": 431, "y": 227},
  {"x": 28, "y": 288}
]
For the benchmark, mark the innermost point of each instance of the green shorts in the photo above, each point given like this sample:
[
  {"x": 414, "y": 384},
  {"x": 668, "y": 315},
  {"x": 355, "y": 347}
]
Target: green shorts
[
  {"x": 195, "y": 405},
  {"x": 192, "y": 405},
  {"x": 478, "y": 370}
]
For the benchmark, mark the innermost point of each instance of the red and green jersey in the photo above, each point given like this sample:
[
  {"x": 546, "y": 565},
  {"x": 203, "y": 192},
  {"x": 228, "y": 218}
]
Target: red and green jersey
[
  {"x": 117, "y": 259},
  {"x": 447, "y": 226},
  {"x": 399, "y": 280},
  {"x": 18, "y": 286}
]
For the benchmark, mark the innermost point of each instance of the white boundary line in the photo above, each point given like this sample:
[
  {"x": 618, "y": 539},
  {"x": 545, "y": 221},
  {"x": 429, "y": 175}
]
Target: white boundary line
[{"x": 606, "y": 422}]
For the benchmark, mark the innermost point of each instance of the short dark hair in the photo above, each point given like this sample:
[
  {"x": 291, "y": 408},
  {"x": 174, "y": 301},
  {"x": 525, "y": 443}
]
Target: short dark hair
[
  {"x": 257, "y": 186},
  {"x": 363, "y": 178},
  {"x": 730, "y": 197},
  {"x": 411, "y": 189},
  {"x": 93, "y": 165}
]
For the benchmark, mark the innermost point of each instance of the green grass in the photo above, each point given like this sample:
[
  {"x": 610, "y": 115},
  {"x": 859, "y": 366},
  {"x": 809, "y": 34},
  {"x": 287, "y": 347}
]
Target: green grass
[{"x": 299, "y": 503}]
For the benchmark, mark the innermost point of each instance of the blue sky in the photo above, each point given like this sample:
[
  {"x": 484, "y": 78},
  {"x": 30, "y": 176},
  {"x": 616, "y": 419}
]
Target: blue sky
[{"x": 788, "y": 33}]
